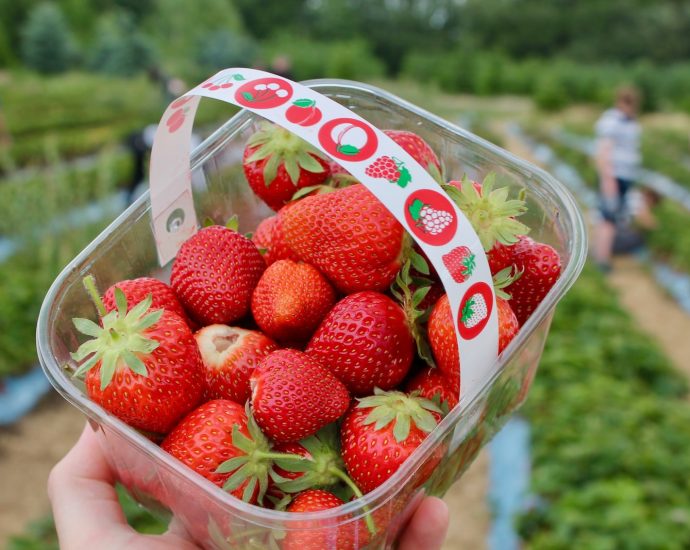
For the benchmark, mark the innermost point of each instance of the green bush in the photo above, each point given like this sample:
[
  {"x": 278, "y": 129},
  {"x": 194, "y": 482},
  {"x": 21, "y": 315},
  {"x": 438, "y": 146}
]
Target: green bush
[
  {"x": 222, "y": 48},
  {"x": 550, "y": 93},
  {"x": 353, "y": 60},
  {"x": 120, "y": 49},
  {"x": 46, "y": 42}
]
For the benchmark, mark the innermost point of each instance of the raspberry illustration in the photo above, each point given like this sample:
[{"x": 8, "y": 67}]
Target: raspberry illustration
[
  {"x": 431, "y": 220},
  {"x": 390, "y": 169}
]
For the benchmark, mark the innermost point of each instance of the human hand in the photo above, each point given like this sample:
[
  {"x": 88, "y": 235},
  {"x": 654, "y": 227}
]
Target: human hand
[{"x": 88, "y": 514}]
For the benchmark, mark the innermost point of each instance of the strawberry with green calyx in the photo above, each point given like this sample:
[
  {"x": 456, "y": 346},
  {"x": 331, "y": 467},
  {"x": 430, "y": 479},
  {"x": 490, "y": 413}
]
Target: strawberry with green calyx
[
  {"x": 277, "y": 163},
  {"x": 214, "y": 275},
  {"x": 432, "y": 384},
  {"x": 141, "y": 365},
  {"x": 230, "y": 355},
  {"x": 221, "y": 441},
  {"x": 490, "y": 211},
  {"x": 541, "y": 266},
  {"x": 419, "y": 150},
  {"x": 136, "y": 290},
  {"x": 349, "y": 236},
  {"x": 293, "y": 396},
  {"x": 460, "y": 263},
  {"x": 365, "y": 341},
  {"x": 381, "y": 432}
]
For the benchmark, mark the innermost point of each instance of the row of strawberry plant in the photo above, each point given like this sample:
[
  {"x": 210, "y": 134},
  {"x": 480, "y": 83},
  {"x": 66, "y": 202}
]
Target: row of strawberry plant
[
  {"x": 669, "y": 240},
  {"x": 610, "y": 433}
]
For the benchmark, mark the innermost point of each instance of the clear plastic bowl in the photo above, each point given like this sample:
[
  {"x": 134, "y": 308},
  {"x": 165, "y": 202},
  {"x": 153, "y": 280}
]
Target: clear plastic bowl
[{"x": 126, "y": 249}]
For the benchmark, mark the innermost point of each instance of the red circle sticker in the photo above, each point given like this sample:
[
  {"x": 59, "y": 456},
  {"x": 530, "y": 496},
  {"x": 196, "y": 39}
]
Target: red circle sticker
[
  {"x": 348, "y": 139},
  {"x": 264, "y": 93},
  {"x": 431, "y": 216},
  {"x": 475, "y": 310}
]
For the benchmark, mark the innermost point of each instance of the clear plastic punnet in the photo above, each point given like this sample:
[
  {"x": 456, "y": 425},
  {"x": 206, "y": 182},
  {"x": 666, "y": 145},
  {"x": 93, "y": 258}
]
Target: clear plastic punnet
[{"x": 129, "y": 249}]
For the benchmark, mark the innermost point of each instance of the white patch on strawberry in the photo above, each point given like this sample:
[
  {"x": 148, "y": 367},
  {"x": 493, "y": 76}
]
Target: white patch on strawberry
[
  {"x": 474, "y": 311},
  {"x": 434, "y": 221}
]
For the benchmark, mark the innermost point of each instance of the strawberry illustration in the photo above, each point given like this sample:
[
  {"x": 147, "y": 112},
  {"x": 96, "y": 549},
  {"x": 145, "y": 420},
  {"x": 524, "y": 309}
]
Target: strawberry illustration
[
  {"x": 277, "y": 163},
  {"x": 474, "y": 310},
  {"x": 389, "y": 169},
  {"x": 214, "y": 274},
  {"x": 221, "y": 441},
  {"x": 432, "y": 384},
  {"x": 349, "y": 236},
  {"x": 229, "y": 356},
  {"x": 135, "y": 290},
  {"x": 303, "y": 112},
  {"x": 269, "y": 237},
  {"x": 460, "y": 263},
  {"x": 290, "y": 301},
  {"x": 381, "y": 431},
  {"x": 541, "y": 266},
  {"x": 419, "y": 150},
  {"x": 293, "y": 396},
  {"x": 429, "y": 219},
  {"x": 143, "y": 366},
  {"x": 365, "y": 341}
]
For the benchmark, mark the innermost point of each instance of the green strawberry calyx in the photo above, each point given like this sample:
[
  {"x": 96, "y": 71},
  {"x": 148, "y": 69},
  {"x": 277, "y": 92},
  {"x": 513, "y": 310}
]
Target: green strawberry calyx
[
  {"x": 410, "y": 301},
  {"x": 491, "y": 213},
  {"x": 401, "y": 408},
  {"x": 256, "y": 463},
  {"x": 120, "y": 341},
  {"x": 278, "y": 146},
  {"x": 504, "y": 279}
]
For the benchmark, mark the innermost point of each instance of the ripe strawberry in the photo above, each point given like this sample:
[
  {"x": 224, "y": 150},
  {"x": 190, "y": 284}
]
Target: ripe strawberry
[
  {"x": 444, "y": 343},
  {"x": 137, "y": 289},
  {"x": 229, "y": 356},
  {"x": 460, "y": 263},
  {"x": 221, "y": 442},
  {"x": 432, "y": 384},
  {"x": 365, "y": 341},
  {"x": 381, "y": 431},
  {"x": 419, "y": 150},
  {"x": 492, "y": 216},
  {"x": 214, "y": 274},
  {"x": 349, "y": 236},
  {"x": 290, "y": 301},
  {"x": 541, "y": 267},
  {"x": 293, "y": 396},
  {"x": 270, "y": 236},
  {"x": 315, "y": 536},
  {"x": 142, "y": 366},
  {"x": 277, "y": 163}
]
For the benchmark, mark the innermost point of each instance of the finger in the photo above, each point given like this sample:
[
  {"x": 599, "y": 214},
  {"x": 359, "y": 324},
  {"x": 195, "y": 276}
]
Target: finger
[
  {"x": 428, "y": 526},
  {"x": 84, "y": 501}
]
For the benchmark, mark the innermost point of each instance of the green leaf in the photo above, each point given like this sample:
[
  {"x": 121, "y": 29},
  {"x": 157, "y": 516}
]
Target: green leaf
[
  {"x": 304, "y": 191},
  {"x": 248, "y": 492},
  {"x": 236, "y": 479},
  {"x": 271, "y": 169},
  {"x": 148, "y": 320},
  {"x": 88, "y": 365},
  {"x": 87, "y": 326},
  {"x": 297, "y": 485},
  {"x": 420, "y": 294},
  {"x": 292, "y": 168},
  {"x": 309, "y": 163},
  {"x": 108, "y": 365},
  {"x": 121, "y": 301},
  {"x": 402, "y": 427},
  {"x": 138, "y": 310},
  {"x": 232, "y": 464},
  {"x": 349, "y": 150},
  {"x": 304, "y": 103},
  {"x": 415, "y": 209},
  {"x": 247, "y": 96},
  {"x": 241, "y": 441},
  {"x": 208, "y": 222},
  {"x": 405, "y": 177},
  {"x": 418, "y": 262},
  {"x": 233, "y": 222},
  {"x": 134, "y": 363}
]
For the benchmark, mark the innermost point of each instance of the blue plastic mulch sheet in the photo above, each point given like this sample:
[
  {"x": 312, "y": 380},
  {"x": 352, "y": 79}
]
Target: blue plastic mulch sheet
[
  {"x": 20, "y": 394},
  {"x": 509, "y": 472}
]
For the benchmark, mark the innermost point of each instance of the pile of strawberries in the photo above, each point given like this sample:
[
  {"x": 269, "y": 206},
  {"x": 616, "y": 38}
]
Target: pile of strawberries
[{"x": 298, "y": 368}]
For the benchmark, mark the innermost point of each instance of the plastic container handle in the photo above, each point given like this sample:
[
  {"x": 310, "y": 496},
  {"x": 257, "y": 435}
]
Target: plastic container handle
[{"x": 420, "y": 205}]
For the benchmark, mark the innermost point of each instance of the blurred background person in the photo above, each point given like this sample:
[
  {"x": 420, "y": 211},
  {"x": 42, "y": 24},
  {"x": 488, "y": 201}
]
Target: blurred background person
[{"x": 617, "y": 160}]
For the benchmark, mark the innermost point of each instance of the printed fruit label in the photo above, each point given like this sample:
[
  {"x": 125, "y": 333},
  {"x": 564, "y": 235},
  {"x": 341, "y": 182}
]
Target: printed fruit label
[{"x": 411, "y": 194}]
